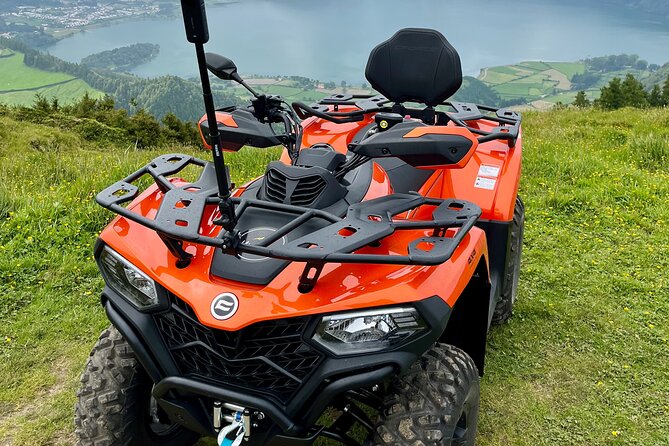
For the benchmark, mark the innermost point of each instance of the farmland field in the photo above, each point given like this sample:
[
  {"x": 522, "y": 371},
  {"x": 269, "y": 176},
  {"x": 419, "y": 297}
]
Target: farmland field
[
  {"x": 541, "y": 85},
  {"x": 20, "y": 83}
]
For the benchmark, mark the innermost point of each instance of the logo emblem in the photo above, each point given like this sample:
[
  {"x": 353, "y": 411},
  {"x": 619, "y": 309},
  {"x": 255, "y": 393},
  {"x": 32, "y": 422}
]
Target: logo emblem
[{"x": 224, "y": 306}]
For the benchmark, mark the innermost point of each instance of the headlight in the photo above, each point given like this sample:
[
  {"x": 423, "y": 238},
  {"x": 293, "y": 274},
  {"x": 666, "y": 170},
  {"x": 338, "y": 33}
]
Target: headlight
[
  {"x": 126, "y": 279},
  {"x": 368, "y": 331}
]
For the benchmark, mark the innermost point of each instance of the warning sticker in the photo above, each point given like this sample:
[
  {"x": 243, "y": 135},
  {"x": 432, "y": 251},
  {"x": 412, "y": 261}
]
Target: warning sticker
[
  {"x": 488, "y": 171},
  {"x": 485, "y": 183}
]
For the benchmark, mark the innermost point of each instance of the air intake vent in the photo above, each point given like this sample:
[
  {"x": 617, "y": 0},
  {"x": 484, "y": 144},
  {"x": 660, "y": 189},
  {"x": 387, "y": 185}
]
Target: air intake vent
[
  {"x": 275, "y": 186},
  {"x": 299, "y": 192}
]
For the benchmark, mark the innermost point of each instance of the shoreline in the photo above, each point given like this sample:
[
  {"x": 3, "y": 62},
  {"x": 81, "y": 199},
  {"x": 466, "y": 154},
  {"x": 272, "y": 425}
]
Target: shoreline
[{"x": 63, "y": 33}]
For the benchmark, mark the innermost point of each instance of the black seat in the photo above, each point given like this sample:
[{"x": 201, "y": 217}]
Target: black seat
[{"x": 415, "y": 65}]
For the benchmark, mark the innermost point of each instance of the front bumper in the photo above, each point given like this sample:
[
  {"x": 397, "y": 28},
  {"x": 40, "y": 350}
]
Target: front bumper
[{"x": 186, "y": 395}]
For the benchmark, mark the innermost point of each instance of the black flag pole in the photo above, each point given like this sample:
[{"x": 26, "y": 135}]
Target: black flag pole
[{"x": 197, "y": 33}]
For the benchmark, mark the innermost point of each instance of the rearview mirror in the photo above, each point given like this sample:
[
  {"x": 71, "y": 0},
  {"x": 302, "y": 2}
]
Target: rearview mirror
[{"x": 222, "y": 67}]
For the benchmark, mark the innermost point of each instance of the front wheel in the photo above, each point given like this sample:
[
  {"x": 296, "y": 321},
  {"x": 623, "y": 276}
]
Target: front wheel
[
  {"x": 115, "y": 406},
  {"x": 435, "y": 403}
]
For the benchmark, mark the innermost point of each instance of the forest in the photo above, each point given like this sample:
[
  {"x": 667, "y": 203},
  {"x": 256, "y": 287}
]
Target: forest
[{"x": 124, "y": 58}]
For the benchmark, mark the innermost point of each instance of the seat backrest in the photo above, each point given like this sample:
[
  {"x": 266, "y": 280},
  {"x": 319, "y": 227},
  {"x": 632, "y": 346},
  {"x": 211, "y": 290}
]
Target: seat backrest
[{"x": 415, "y": 65}]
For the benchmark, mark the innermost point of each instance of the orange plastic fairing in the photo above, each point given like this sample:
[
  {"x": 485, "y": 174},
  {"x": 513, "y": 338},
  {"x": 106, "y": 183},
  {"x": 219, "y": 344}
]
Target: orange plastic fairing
[{"x": 222, "y": 118}]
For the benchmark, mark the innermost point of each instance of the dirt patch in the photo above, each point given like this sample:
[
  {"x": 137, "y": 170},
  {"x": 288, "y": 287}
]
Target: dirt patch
[
  {"x": 542, "y": 105},
  {"x": 522, "y": 72},
  {"x": 262, "y": 81},
  {"x": 562, "y": 80},
  {"x": 9, "y": 415}
]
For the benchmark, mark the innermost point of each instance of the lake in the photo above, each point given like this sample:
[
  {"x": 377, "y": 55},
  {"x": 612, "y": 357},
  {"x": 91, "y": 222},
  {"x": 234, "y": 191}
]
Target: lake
[{"x": 330, "y": 40}]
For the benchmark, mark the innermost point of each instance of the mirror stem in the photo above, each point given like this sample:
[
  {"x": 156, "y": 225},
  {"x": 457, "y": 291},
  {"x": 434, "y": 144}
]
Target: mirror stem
[
  {"x": 226, "y": 206},
  {"x": 248, "y": 87}
]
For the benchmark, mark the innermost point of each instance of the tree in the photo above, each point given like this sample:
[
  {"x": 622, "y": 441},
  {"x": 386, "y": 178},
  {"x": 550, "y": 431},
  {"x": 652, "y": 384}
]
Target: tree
[
  {"x": 634, "y": 94},
  {"x": 86, "y": 106},
  {"x": 145, "y": 130},
  {"x": 612, "y": 95},
  {"x": 178, "y": 130},
  {"x": 665, "y": 92},
  {"x": 41, "y": 104},
  {"x": 581, "y": 100},
  {"x": 655, "y": 97}
]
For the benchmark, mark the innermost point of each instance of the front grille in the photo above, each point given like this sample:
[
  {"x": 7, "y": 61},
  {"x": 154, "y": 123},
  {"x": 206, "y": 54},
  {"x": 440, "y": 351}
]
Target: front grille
[
  {"x": 268, "y": 357},
  {"x": 306, "y": 189}
]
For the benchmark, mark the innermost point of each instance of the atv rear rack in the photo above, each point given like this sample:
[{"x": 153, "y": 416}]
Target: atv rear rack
[
  {"x": 181, "y": 211},
  {"x": 460, "y": 113}
]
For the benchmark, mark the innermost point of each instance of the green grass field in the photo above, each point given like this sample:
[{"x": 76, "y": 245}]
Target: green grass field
[
  {"x": 543, "y": 84},
  {"x": 532, "y": 80},
  {"x": 582, "y": 362},
  {"x": 20, "y": 83}
]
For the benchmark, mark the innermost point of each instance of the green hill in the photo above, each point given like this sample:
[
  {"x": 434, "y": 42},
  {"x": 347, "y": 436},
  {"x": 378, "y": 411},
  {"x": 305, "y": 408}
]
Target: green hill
[
  {"x": 159, "y": 96},
  {"x": 20, "y": 83},
  {"x": 541, "y": 85},
  {"x": 582, "y": 362}
]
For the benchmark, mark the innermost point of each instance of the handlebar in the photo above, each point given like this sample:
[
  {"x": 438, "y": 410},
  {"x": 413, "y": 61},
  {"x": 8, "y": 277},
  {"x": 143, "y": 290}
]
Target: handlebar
[{"x": 304, "y": 111}]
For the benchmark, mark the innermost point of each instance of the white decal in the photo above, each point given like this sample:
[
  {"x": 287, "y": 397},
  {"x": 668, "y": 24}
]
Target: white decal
[
  {"x": 488, "y": 171},
  {"x": 485, "y": 183}
]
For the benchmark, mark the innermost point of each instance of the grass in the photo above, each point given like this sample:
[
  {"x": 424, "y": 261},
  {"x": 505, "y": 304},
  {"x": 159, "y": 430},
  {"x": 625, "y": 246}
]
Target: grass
[
  {"x": 20, "y": 83},
  {"x": 568, "y": 68},
  {"x": 17, "y": 76},
  {"x": 66, "y": 93},
  {"x": 531, "y": 80},
  {"x": 582, "y": 362}
]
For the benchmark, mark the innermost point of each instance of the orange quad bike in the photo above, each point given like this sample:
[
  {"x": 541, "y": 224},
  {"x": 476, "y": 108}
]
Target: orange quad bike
[{"x": 346, "y": 294}]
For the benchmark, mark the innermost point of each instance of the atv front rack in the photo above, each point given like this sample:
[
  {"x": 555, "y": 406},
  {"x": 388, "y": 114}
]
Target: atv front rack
[{"x": 366, "y": 224}]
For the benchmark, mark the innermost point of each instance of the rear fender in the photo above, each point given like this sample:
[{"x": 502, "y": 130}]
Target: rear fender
[{"x": 490, "y": 179}]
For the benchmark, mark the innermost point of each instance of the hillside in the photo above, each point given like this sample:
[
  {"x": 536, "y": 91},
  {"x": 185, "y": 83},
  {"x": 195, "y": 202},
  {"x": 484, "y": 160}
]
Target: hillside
[
  {"x": 541, "y": 84},
  {"x": 159, "y": 96},
  {"x": 580, "y": 363},
  {"x": 20, "y": 83}
]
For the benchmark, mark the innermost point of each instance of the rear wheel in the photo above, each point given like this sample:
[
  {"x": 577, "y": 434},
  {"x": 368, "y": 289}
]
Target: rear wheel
[
  {"x": 435, "y": 403},
  {"x": 115, "y": 406},
  {"x": 507, "y": 299}
]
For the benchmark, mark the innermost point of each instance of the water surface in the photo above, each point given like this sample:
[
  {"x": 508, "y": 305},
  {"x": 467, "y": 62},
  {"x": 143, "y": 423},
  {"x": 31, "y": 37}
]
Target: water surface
[{"x": 330, "y": 40}]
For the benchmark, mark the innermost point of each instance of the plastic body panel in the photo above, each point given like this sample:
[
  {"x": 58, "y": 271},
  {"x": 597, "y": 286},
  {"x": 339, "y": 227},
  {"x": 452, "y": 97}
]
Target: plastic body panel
[
  {"x": 340, "y": 287},
  {"x": 495, "y": 194}
]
